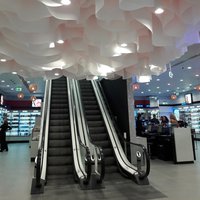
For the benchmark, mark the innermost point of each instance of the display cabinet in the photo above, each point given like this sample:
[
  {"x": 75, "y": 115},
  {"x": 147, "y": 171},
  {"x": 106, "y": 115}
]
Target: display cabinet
[
  {"x": 191, "y": 114},
  {"x": 22, "y": 122}
]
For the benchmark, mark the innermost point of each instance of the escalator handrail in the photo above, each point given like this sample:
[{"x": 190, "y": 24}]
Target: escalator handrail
[
  {"x": 119, "y": 152},
  {"x": 98, "y": 149},
  {"x": 40, "y": 153},
  {"x": 76, "y": 143},
  {"x": 122, "y": 138}
]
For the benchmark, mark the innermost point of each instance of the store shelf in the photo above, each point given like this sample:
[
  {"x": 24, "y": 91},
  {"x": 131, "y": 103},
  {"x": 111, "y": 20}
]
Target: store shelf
[{"x": 22, "y": 122}]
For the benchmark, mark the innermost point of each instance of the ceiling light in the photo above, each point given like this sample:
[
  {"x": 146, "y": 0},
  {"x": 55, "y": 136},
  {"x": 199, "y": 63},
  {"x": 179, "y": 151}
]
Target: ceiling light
[
  {"x": 197, "y": 75},
  {"x": 159, "y": 92},
  {"x": 167, "y": 90},
  {"x": 173, "y": 97},
  {"x": 189, "y": 67},
  {"x": 143, "y": 79},
  {"x": 60, "y": 41},
  {"x": 142, "y": 92},
  {"x": 14, "y": 72},
  {"x": 181, "y": 80},
  {"x": 190, "y": 84},
  {"x": 56, "y": 74},
  {"x": 52, "y": 45},
  {"x": 65, "y": 2},
  {"x": 123, "y": 45},
  {"x": 147, "y": 83},
  {"x": 159, "y": 11},
  {"x": 95, "y": 78},
  {"x": 2, "y": 81},
  {"x": 12, "y": 88},
  {"x": 157, "y": 79},
  {"x": 149, "y": 90},
  {"x": 8, "y": 85},
  {"x": 3, "y": 60},
  {"x": 178, "y": 88},
  {"x": 168, "y": 84},
  {"x": 136, "y": 86},
  {"x": 158, "y": 87}
]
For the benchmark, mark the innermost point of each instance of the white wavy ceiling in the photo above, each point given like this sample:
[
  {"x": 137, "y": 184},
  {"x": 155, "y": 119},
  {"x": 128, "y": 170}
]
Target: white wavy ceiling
[{"x": 93, "y": 32}]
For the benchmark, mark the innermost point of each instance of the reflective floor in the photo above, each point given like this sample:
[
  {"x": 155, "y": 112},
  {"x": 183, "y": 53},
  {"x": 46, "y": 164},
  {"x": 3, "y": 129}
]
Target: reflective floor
[{"x": 167, "y": 181}]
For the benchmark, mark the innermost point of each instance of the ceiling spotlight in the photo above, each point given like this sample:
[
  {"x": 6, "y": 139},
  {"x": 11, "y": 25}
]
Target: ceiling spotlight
[
  {"x": 159, "y": 11},
  {"x": 197, "y": 75},
  {"x": 136, "y": 86},
  {"x": 173, "y": 97},
  {"x": 65, "y": 2},
  {"x": 60, "y": 41},
  {"x": 52, "y": 45},
  {"x": 56, "y": 74},
  {"x": 14, "y": 72},
  {"x": 189, "y": 67}
]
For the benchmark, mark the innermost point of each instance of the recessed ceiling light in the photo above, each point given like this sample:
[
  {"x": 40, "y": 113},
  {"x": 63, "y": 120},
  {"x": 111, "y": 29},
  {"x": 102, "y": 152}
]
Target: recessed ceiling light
[
  {"x": 56, "y": 74},
  {"x": 197, "y": 75},
  {"x": 65, "y": 2},
  {"x": 157, "y": 79},
  {"x": 52, "y": 45},
  {"x": 142, "y": 92},
  {"x": 168, "y": 84},
  {"x": 190, "y": 84},
  {"x": 3, "y": 60},
  {"x": 159, "y": 92},
  {"x": 147, "y": 83},
  {"x": 167, "y": 90},
  {"x": 2, "y": 81},
  {"x": 60, "y": 41},
  {"x": 181, "y": 80},
  {"x": 12, "y": 88},
  {"x": 158, "y": 87},
  {"x": 149, "y": 90},
  {"x": 14, "y": 72},
  {"x": 178, "y": 88},
  {"x": 189, "y": 67},
  {"x": 8, "y": 85},
  {"x": 28, "y": 81},
  {"x": 159, "y": 11}
]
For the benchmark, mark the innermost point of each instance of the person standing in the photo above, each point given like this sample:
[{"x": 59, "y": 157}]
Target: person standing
[{"x": 3, "y": 128}]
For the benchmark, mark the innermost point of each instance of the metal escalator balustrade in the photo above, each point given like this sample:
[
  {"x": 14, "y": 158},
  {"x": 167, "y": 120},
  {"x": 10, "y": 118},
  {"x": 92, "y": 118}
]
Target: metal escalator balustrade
[
  {"x": 96, "y": 126},
  {"x": 139, "y": 166},
  {"x": 96, "y": 153}
]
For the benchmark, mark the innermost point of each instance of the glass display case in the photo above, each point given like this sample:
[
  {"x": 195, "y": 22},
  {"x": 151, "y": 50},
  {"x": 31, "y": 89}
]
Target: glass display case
[
  {"x": 191, "y": 114},
  {"x": 22, "y": 122}
]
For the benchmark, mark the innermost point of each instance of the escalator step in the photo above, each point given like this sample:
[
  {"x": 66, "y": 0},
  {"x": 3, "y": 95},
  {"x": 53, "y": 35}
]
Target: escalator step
[
  {"x": 96, "y": 130},
  {"x": 59, "y": 136},
  {"x": 59, "y": 128},
  {"x": 59, "y": 151},
  {"x": 59, "y": 160},
  {"x": 58, "y": 143},
  {"x": 60, "y": 169}
]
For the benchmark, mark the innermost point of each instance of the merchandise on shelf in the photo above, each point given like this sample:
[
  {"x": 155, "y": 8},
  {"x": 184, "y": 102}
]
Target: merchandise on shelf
[{"x": 22, "y": 122}]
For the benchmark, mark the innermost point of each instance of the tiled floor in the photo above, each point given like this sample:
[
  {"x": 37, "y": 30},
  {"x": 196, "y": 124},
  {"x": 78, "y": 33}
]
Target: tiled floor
[{"x": 175, "y": 181}]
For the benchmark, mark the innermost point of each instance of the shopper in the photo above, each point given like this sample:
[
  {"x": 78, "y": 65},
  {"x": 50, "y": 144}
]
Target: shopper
[
  {"x": 173, "y": 120},
  {"x": 3, "y": 128},
  {"x": 139, "y": 125},
  {"x": 154, "y": 120}
]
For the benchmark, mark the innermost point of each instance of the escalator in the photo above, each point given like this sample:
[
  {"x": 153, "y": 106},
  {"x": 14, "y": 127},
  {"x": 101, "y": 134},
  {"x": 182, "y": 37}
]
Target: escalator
[
  {"x": 60, "y": 158},
  {"x": 96, "y": 126}
]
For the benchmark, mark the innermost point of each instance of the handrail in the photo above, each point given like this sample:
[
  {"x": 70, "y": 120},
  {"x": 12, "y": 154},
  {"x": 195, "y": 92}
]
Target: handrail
[
  {"x": 40, "y": 166},
  {"x": 96, "y": 151},
  {"x": 82, "y": 173},
  {"x": 146, "y": 155},
  {"x": 119, "y": 152}
]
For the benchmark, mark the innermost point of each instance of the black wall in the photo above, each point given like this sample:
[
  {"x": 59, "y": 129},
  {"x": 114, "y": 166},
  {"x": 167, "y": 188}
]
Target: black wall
[{"x": 116, "y": 94}]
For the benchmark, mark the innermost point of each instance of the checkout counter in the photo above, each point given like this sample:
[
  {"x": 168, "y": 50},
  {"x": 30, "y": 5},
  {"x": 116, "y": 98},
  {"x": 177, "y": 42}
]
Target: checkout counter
[{"x": 170, "y": 144}]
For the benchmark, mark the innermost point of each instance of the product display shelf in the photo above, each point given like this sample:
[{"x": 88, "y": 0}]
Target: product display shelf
[
  {"x": 22, "y": 122},
  {"x": 192, "y": 117}
]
